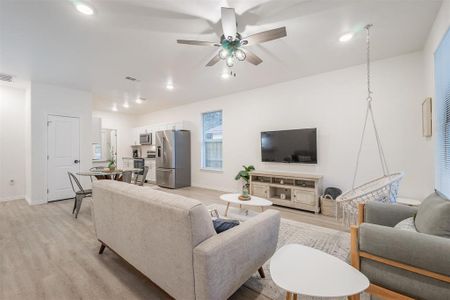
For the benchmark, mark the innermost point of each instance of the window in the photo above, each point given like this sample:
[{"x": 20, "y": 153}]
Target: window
[
  {"x": 212, "y": 140},
  {"x": 442, "y": 77},
  {"x": 96, "y": 151}
]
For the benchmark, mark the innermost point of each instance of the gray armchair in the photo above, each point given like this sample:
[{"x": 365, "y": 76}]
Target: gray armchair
[{"x": 400, "y": 264}]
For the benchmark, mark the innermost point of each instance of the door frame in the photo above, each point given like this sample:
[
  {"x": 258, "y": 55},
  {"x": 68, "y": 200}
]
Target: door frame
[{"x": 46, "y": 145}]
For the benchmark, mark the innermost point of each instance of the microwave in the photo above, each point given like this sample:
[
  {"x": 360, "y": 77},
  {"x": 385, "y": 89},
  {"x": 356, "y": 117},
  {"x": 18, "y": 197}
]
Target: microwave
[{"x": 145, "y": 139}]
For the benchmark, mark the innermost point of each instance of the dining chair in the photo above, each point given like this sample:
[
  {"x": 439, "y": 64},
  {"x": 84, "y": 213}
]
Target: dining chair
[
  {"x": 127, "y": 176},
  {"x": 80, "y": 193},
  {"x": 140, "y": 179}
]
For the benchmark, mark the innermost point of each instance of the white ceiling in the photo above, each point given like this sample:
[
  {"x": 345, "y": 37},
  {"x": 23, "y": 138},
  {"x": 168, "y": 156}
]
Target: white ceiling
[{"x": 49, "y": 41}]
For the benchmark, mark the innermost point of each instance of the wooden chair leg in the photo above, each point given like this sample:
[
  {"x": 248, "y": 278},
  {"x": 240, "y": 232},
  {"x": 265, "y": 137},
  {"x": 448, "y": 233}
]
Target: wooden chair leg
[
  {"x": 261, "y": 272},
  {"x": 80, "y": 200},
  {"x": 102, "y": 248},
  {"x": 288, "y": 295}
]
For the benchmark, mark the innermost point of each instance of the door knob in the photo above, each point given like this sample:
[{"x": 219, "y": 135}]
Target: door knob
[{"x": 76, "y": 161}]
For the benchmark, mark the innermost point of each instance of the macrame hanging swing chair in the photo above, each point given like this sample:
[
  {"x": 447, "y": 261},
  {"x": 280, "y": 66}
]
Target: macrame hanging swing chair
[{"x": 383, "y": 189}]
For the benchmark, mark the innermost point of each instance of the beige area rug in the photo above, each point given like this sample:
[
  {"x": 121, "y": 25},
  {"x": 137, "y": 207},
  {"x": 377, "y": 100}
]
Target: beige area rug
[{"x": 334, "y": 242}]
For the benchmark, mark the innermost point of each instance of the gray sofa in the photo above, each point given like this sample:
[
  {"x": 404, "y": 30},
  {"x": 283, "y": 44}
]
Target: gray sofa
[
  {"x": 400, "y": 263},
  {"x": 171, "y": 240}
]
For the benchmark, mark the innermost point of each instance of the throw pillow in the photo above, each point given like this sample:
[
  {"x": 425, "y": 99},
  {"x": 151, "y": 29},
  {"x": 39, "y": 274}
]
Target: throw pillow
[
  {"x": 221, "y": 225},
  {"x": 433, "y": 215},
  {"x": 406, "y": 224}
]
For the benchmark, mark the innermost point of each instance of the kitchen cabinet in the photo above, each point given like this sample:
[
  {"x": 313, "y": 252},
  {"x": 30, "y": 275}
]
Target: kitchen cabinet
[
  {"x": 135, "y": 136},
  {"x": 128, "y": 163},
  {"x": 136, "y": 132}
]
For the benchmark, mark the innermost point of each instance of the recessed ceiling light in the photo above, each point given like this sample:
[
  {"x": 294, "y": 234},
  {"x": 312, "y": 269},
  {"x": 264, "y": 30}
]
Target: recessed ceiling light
[
  {"x": 346, "y": 37},
  {"x": 126, "y": 105},
  {"x": 140, "y": 100},
  {"x": 225, "y": 75},
  {"x": 84, "y": 8},
  {"x": 114, "y": 108},
  {"x": 169, "y": 86}
]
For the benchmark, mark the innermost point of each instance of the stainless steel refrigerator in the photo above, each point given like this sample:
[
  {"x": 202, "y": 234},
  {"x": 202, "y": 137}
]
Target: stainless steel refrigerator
[{"x": 173, "y": 158}]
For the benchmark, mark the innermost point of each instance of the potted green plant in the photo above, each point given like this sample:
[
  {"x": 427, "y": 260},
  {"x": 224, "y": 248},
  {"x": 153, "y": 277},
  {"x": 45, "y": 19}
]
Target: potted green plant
[
  {"x": 112, "y": 162},
  {"x": 244, "y": 175}
]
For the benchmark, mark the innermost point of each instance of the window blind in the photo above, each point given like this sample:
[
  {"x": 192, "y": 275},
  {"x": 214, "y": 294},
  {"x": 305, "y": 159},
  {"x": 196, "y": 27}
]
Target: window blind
[{"x": 442, "y": 81}]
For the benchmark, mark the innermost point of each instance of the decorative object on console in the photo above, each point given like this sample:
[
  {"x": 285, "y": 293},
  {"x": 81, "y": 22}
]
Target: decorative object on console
[
  {"x": 382, "y": 189},
  {"x": 427, "y": 122},
  {"x": 245, "y": 176}
]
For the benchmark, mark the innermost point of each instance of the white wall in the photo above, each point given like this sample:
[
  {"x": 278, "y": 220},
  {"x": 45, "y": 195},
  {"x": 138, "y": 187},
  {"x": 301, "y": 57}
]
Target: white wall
[
  {"x": 123, "y": 123},
  {"x": 440, "y": 27},
  {"x": 49, "y": 99},
  {"x": 333, "y": 102},
  {"x": 12, "y": 143}
]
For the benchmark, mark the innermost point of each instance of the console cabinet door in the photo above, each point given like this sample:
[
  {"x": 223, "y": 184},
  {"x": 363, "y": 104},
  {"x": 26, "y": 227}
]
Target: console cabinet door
[
  {"x": 260, "y": 191},
  {"x": 304, "y": 197}
]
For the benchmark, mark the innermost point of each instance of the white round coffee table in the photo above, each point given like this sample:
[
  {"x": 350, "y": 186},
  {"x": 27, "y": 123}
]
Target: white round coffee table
[
  {"x": 254, "y": 201},
  {"x": 307, "y": 271}
]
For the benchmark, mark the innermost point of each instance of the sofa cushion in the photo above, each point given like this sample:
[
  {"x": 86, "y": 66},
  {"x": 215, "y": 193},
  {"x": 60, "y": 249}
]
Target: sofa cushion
[
  {"x": 221, "y": 225},
  {"x": 433, "y": 216},
  {"x": 406, "y": 224}
]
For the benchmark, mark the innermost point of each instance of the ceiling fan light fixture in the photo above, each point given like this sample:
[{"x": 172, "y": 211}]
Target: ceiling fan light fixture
[
  {"x": 240, "y": 54},
  {"x": 230, "y": 61},
  {"x": 140, "y": 100},
  {"x": 223, "y": 53},
  {"x": 225, "y": 75}
]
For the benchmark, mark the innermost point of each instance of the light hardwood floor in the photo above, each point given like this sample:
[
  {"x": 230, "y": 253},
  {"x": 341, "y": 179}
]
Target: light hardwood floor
[{"x": 47, "y": 254}]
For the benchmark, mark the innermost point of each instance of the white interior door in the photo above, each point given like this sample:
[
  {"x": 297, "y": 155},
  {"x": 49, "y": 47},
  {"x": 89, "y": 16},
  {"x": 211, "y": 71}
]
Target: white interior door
[{"x": 63, "y": 152}]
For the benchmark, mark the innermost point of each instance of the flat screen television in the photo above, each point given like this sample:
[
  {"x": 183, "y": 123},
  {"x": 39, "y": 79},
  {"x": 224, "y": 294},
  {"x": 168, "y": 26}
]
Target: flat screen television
[{"x": 290, "y": 146}]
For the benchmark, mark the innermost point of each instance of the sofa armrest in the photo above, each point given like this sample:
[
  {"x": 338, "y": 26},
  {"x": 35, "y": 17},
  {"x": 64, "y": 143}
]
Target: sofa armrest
[
  {"x": 387, "y": 214},
  {"x": 225, "y": 261},
  {"x": 424, "y": 251}
]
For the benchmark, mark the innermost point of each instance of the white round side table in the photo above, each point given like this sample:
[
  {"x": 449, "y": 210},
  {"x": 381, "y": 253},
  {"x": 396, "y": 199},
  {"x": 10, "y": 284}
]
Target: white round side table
[
  {"x": 307, "y": 271},
  {"x": 254, "y": 201}
]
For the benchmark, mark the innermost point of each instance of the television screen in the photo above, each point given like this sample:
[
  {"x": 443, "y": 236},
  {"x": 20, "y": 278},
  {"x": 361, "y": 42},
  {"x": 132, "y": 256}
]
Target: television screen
[{"x": 290, "y": 146}]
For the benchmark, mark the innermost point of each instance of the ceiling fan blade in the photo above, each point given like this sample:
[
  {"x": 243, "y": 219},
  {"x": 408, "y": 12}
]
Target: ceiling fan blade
[
  {"x": 252, "y": 58},
  {"x": 265, "y": 36},
  {"x": 213, "y": 60},
  {"x": 198, "y": 43},
  {"x": 229, "y": 23}
]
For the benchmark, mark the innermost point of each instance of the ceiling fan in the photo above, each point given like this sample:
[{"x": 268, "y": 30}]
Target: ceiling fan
[{"x": 232, "y": 43}]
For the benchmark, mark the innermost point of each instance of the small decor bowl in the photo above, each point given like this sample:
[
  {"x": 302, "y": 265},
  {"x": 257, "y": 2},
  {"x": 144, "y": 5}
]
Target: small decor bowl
[{"x": 244, "y": 198}]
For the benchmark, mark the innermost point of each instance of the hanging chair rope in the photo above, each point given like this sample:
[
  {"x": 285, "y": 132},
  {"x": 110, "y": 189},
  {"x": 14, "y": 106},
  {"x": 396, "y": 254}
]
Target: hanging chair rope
[
  {"x": 369, "y": 113},
  {"x": 383, "y": 189}
]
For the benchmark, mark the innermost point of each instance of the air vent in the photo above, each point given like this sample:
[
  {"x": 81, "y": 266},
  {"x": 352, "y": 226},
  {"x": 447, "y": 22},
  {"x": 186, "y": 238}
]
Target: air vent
[
  {"x": 131, "y": 78},
  {"x": 6, "y": 77}
]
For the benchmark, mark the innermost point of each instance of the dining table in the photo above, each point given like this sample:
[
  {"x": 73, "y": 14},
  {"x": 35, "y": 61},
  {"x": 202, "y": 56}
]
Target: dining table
[{"x": 107, "y": 174}]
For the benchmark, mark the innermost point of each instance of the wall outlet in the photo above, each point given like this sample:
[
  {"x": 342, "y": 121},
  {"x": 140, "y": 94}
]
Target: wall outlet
[{"x": 11, "y": 182}]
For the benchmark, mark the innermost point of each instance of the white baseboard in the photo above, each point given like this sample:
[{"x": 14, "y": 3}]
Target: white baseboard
[{"x": 11, "y": 198}]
